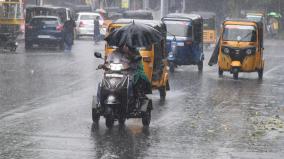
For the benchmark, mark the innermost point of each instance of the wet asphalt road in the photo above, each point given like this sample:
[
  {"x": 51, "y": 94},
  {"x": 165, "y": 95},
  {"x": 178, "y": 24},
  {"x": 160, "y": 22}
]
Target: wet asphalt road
[{"x": 45, "y": 111}]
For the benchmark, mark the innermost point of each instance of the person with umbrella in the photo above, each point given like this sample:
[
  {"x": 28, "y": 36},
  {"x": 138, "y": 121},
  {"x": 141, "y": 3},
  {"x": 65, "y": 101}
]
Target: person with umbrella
[{"x": 128, "y": 39}]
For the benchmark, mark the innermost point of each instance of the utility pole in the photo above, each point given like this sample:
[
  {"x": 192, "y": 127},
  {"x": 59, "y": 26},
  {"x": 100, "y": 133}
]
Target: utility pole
[
  {"x": 164, "y": 7},
  {"x": 39, "y": 2},
  {"x": 183, "y": 6},
  {"x": 145, "y": 4}
]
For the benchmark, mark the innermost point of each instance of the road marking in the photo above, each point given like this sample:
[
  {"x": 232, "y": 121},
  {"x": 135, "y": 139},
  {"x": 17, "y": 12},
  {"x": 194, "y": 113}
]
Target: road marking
[{"x": 273, "y": 69}]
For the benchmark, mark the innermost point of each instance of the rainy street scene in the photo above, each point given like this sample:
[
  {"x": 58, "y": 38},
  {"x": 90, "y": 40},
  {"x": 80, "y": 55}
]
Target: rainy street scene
[{"x": 141, "y": 79}]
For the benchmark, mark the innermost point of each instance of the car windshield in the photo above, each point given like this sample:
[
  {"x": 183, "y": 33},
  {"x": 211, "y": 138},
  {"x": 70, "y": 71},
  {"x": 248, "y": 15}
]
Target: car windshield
[
  {"x": 209, "y": 23},
  {"x": 88, "y": 17},
  {"x": 254, "y": 17},
  {"x": 44, "y": 21},
  {"x": 179, "y": 28},
  {"x": 239, "y": 33}
]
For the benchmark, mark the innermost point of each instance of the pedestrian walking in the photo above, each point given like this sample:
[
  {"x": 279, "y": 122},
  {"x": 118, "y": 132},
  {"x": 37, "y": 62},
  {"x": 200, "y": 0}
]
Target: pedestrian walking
[
  {"x": 68, "y": 34},
  {"x": 96, "y": 29}
]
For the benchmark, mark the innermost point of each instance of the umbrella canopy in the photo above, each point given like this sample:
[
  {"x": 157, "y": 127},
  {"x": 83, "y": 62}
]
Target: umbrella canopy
[
  {"x": 274, "y": 14},
  {"x": 134, "y": 35}
]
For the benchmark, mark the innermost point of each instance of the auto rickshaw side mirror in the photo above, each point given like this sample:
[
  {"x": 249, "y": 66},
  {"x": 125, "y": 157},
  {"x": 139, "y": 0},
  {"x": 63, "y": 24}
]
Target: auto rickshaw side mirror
[{"x": 98, "y": 55}]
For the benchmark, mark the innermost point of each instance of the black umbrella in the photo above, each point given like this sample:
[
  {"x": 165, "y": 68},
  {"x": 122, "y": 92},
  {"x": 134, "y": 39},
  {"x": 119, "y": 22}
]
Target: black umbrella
[{"x": 134, "y": 35}]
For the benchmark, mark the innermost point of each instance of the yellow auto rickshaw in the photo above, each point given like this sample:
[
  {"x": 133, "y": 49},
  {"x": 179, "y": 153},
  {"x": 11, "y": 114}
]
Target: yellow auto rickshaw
[
  {"x": 209, "y": 28},
  {"x": 241, "y": 47},
  {"x": 154, "y": 57},
  {"x": 11, "y": 22}
]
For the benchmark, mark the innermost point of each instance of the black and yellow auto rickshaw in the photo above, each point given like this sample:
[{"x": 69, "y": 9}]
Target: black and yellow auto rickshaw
[
  {"x": 209, "y": 28},
  {"x": 11, "y": 23},
  {"x": 241, "y": 47},
  {"x": 154, "y": 57}
]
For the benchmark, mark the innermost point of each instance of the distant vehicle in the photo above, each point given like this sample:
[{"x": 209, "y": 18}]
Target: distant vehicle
[
  {"x": 209, "y": 28},
  {"x": 240, "y": 48},
  {"x": 63, "y": 13},
  {"x": 138, "y": 14},
  {"x": 11, "y": 22},
  {"x": 85, "y": 24},
  {"x": 184, "y": 40},
  {"x": 44, "y": 30}
]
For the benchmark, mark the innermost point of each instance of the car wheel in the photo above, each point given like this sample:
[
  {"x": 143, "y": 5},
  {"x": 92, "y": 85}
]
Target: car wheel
[
  {"x": 260, "y": 74},
  {"x": 61, "y": 45},
  {"x": 200, "y": 66},
  {"x": 28, "y": 45},
  {"x": 220, "y": 72}
]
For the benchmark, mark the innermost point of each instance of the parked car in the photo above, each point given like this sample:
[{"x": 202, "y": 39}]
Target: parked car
[
  {"x": 85, "y": 24},
  {"x": 44, "y": 30}
]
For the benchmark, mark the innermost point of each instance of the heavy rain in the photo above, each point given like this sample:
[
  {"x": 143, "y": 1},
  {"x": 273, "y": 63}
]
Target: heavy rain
[{"x": 145, "y": 79}]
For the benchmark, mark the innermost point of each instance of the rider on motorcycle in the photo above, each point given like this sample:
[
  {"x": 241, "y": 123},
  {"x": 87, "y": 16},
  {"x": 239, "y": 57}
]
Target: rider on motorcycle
[{"x": 132, "y": 56}]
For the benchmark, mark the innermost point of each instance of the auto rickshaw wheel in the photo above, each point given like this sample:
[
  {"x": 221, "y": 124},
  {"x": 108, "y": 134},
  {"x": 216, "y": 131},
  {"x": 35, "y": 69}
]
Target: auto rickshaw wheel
[
  {"x": 235, "y": 72},
  {"x": 95, "y": 115},
  {"x": 163, "y": 92},
  {"x": 146, "y": 119},
  {"x": 109, "y": 121},
  {"x": 220, "y": 72},
  {"x": 200, "y": 66},
  {"x": 260, "y": 74}
]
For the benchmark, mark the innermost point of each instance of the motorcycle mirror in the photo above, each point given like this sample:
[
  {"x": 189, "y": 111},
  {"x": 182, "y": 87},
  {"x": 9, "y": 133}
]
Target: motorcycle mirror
[{"x": 98, "y": 55}]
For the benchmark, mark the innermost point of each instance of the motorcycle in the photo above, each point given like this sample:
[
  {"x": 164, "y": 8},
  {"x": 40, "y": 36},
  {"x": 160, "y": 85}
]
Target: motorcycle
[{"x": 115, "y": 99}]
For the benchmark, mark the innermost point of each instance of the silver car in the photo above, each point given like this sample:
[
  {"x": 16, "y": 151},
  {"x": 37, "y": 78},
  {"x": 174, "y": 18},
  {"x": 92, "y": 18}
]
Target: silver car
[{"x": 85, "y": 24}]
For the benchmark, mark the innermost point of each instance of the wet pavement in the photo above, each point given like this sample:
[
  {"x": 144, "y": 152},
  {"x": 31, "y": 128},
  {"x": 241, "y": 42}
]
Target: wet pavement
[{"x": 45, "y": 111}]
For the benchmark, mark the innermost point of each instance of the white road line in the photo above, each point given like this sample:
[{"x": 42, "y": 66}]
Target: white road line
[{"x": 273, "y": 69}]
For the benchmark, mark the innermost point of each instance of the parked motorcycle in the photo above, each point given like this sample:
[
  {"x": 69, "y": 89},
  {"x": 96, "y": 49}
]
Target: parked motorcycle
[{"x": 115, "y": 99}]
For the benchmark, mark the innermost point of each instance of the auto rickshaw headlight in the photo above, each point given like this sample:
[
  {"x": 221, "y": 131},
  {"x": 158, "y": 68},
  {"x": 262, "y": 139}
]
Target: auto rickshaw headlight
[
  {"x": 226, "y": 50},
  {"x": 248, "y": 51}
]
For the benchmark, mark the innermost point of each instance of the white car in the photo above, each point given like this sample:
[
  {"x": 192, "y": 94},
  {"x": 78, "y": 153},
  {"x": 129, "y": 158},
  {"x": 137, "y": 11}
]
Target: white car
[{"x": 85, "y": 24}]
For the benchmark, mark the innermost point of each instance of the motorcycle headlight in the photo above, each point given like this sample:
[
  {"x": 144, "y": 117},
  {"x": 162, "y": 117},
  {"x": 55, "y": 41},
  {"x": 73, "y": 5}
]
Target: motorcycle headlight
[
  {"x": 248, "y": 51},
  {"x": 116, "y": 67},
  {"x": 226, "y": 50}
]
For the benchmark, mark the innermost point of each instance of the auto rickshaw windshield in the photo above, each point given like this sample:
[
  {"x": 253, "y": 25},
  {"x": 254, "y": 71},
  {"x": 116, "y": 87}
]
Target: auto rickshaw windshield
[
  {"x": 179, "y": 28},
  {"x": 239, "y": 33}
]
